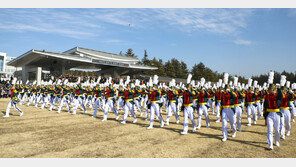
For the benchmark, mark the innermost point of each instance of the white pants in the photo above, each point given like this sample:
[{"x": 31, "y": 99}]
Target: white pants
[
  {"x": 172, "y": 107},
  {"x": 285, "y": 121},
  {"x": 98, "y": 103},
  {"x": 203, "y": 110},
  {"x": 41, "y": 99},
  {"x": 14, "y": 106},
  {"x": 55, "y": 99},
  {"x": 210, "y": 104},
  {"x": 109, "y": 104},
  {"x": 293, "y": 112},
  {"x": 78, "y": 102},
  {"x": 227, "y": 113},
  {"x": 218, "y": 106},
  {"x": 238, "y": 112},
  {"x": 119, "y": 103},
  {"x": 128, "y": 107},
  {"x": 154, "y": 110},
  {"x": 259, "y": 109},
  {"x": 32, "y": 99},
  {"x": 188, "y": 112},
  {"x": 273, "y": 120},
  {"x": 251, "y": 109},
  {"x": 25, "y": 98},
  {"x": 180, "y": 103},
  {"x": 137, "y": 104},
  {"x": 147, "y": 110},
  {"x": 47, "y": 100},
  {"x": 88, "y": 101},
  {"x": 64, "y": 100}
]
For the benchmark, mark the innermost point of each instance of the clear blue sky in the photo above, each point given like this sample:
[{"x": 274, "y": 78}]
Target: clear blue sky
[{"x": 238, "y": 41}]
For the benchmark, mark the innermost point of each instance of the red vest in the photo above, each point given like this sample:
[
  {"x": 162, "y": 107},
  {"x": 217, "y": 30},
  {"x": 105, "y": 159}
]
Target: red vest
[
  {"x": 226, "y": 99},
  {"x": 271, "y": 100}
]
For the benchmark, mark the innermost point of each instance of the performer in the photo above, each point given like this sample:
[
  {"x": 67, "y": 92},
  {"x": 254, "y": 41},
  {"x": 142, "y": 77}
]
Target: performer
[
  {"x": 228, "y": 112},
  {"x": 129, "y": 104},
  {"x": 13, "y": 101},
  {"x": 173, "y": 102},
  {"x": 273, "y": 115},
  {"x": 109, "y": 95},
  {"x": 98, "y": 100},
  {"x": 249, "y": 102},
  {"x": 188, "y": 109},
  {"x": 154, "y": 109},
  {"x": 203, "y": 107},
  {"x": 285, "y": 110}
]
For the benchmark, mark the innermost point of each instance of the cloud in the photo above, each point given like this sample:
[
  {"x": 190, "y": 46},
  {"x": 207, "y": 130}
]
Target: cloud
[
  {"x": 50, "y": 21},
  {"x": 87, "y": 23},
  {"x": 242, "y": 42}
]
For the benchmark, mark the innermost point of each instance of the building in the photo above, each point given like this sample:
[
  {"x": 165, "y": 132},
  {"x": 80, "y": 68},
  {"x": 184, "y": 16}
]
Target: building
[
  {"x": 5, "y": 69},
  {"x": 35, "y": 61}
]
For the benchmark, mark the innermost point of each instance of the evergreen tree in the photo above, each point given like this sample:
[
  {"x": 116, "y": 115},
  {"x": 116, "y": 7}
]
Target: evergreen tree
[
  {"x": 130, "y": 53},
  {"x": 145, "y": 60},
  {"x": 169, "y": 69}
]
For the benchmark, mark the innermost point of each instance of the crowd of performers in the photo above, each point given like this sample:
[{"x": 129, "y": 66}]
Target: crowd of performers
[{"x": 227, "y": 100}]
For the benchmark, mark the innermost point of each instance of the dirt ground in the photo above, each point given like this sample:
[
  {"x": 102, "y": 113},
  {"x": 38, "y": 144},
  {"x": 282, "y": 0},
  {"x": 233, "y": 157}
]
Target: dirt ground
[{"x": 43, "y": 133}]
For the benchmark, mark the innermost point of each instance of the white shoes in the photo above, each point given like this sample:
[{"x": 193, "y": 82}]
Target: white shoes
[
  {"x": 194, "y": 129},
  {"x": 141, "y": 114},
  {"x": 135, "y": 120},
  {"x": 5, "y": 116},
  {"x": 167, "y": 123},
  {"x": 162, "y": 124},
  {"x": 149, "y": 127},
  {"x": 293, "y": 120},
  {"x": 183, "y": 133},
  {"x": 58, "y": 112},
  {"x": 283, "y": 137},
  {"x": 177, "y": 122},
  {"x": 218, "y": 120},
  {"x": 288, "y": 133},
  {"x": 255, "y": 123},
  {"x": 208, "y": 125},
  {"x": 249, "y": 124},
  {"x": 123, "y": 122},
  {"x": 198, "y": 127},
  {"x": 277, "y": 143},
  {"x": 93, "y": 116},
  {"x": 117, "y": 117},
  {"x": 234, "y": 134},
  {"x": 104, "y": 119},
  {"x": 271, "y": 147},
  {"x": 224, "y": 139},
  {"x": 21, "y": 114}
]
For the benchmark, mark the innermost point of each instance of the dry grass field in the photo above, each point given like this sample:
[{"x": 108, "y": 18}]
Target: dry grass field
[{"x": 46, "y": 134}]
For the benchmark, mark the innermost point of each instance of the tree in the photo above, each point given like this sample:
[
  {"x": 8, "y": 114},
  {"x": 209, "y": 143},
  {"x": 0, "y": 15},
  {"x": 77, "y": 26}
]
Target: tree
[
  {"x": 130, "y": 53},
  {"x": 184, "y": 69},
  {"x": 145, "y": 60},
  {"x": 169, "y": 69},
  {"x": 198, "y": 71}
]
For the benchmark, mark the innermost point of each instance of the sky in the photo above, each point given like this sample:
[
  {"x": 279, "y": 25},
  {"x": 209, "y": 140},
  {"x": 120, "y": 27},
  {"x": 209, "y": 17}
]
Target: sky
[{"x": 244, "y": 42}]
